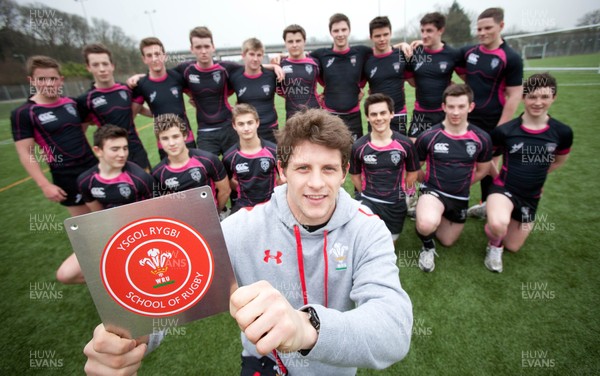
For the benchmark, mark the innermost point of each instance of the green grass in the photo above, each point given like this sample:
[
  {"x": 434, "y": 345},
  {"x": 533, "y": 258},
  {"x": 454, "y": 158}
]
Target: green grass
[
  {"x": 468, "y": 321},
  {"x": 590, "y": 60}
]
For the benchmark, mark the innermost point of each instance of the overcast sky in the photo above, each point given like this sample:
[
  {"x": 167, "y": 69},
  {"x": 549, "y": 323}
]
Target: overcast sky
[{"x": 232, "y": 21}]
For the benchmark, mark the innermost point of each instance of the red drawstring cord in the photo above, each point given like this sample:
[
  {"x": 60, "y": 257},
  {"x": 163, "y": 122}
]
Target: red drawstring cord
[
  {"x": 326, "y": 266},
  {"x": 303, "y": 281}
]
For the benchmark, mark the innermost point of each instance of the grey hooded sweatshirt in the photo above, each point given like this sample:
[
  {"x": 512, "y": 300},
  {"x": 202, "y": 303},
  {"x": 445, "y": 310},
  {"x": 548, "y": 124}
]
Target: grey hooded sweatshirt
[{"x": 346, "y": 271}]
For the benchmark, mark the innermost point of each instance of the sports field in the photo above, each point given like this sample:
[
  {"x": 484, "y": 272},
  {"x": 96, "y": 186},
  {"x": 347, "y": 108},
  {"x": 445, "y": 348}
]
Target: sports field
[{"x": 541, "y": 316}]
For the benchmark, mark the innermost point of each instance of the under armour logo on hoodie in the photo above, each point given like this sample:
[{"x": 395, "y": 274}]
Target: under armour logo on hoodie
[{"x": 277, "y": 257}]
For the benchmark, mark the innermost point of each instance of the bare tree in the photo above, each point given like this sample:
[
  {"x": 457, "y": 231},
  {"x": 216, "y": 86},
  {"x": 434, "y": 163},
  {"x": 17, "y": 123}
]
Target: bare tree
[{"x": 590, "y": 18}]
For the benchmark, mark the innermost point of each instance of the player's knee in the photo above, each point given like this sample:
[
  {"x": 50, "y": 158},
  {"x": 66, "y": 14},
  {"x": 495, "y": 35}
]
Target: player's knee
[
  {"x": 498, "y": 226},
  {"x": 447, "y": 242},
  {"x": 62, "y": 276},
  {"x": 68, "y": 276},
  {"x": 426, "y": 225}
]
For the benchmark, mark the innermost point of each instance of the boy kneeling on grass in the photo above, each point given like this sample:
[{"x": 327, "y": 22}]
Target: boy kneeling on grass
[{"x": 532, "y": 146}]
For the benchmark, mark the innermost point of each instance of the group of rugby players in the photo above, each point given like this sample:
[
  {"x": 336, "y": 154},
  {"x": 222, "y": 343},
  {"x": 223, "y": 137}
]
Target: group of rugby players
[{"x": 458, "y": 130}]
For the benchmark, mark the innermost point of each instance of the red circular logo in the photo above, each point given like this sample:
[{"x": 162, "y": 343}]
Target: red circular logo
[{"x": 157, "y": 267}]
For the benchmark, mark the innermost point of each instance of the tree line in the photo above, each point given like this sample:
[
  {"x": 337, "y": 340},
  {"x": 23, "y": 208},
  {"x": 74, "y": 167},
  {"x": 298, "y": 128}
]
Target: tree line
[{"x": 34, "y": 29}]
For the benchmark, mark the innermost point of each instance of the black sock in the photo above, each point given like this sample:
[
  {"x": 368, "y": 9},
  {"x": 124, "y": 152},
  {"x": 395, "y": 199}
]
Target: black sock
[{"x": 427, "y": 240}]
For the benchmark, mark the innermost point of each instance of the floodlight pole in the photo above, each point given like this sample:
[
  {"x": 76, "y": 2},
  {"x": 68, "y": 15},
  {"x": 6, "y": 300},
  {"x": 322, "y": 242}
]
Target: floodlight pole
[
  {"x": 84, "y": 12},
  {"x": 149, "y": 13}
]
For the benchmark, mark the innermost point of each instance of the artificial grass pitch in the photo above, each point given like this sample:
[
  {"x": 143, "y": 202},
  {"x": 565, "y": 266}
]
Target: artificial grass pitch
[{"x": 541, "y": 316}]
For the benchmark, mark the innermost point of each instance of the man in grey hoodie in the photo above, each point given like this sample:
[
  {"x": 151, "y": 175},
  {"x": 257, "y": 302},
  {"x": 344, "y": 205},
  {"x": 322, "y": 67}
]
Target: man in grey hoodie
[{"x": 319, "y": 288}]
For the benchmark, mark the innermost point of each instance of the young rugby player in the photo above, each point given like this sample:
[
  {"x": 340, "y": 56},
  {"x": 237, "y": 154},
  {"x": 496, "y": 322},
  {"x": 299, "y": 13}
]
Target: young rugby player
[
  {"x": 532, "y": 145},
  {"x": 457, "y": 154}
]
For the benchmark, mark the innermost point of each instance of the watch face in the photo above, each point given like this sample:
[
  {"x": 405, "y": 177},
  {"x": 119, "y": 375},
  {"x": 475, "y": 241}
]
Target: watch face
[{"x": 313, "y": 318}]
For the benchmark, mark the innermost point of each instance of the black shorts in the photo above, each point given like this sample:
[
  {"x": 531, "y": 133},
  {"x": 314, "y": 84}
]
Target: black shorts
[
  {"x": 397, "y": 124},
  {"x": 138, "y": 155},
  {"x": 217, "y": 141},
  {"x": 67, "y": 180},
  {"x": 422, "y": 121},
  {"x": 354, "y": 123},
  {"x": 392, "y": 214},
  {"x": 455, "y": 210},
  {"x": 524, "y": 208}
]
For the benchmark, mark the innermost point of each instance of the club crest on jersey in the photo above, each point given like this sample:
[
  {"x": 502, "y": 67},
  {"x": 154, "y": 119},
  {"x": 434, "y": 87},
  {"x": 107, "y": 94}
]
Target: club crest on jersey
[
  {"x": 472, "y": 58},
  {"x": 338, "y": 252},
  {"x": 265, "y": 164},
  {"x": 329, "y": 62},
  {"x": 125, "y": 190},
  {"x": 397, "y": 67},
  {"x": 353, "y": 60},
  {"x": 242, "y": 91},
  {"x": 123, "y": 94},
  {"x": 71, "y": 109},
  {"x": 152, "y": 97},
  {"x": 266, "y": 89},
  {"x": 216, "y": 77},
  {"x": 373, "y": 71},
  {"x": 471, "y": 148},
  {"x": 175, "y": 92},
  {"x": 195, "y": 174},
  {"x": 443, "y": 65},
  {"x": 99, "y": 101},
  {"x": 551, "y": 147},
  {"x": 395, "y": 156},
  {"x": 308, "y": 68},
  {"x": 495, "y": 62},
  {"x": 194, "y": 78}
]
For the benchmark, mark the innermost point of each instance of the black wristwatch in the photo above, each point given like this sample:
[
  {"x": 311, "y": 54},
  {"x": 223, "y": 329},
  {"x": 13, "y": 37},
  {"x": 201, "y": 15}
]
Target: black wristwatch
[{"x": 313, "y": 318}]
